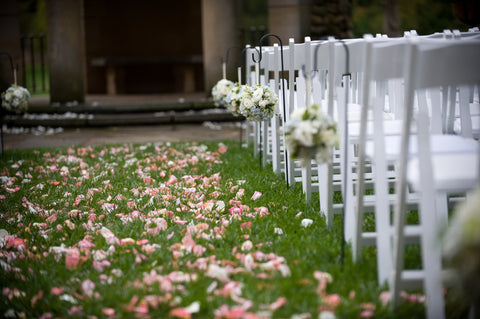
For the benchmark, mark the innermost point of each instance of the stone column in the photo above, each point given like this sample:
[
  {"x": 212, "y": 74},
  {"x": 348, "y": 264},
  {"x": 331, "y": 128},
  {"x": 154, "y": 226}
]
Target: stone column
[
  {"x": 289, "y": 19},
  {"x": 9, "y": 42},
  {"x": 66, "y": 51},
  {"x": 220, "y": 28}
]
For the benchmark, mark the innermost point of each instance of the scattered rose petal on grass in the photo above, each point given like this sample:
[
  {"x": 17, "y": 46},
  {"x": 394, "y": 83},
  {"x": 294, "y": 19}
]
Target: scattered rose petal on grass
[
  {"x": 36, "y": 298},
  {"x": 384, "y": 297},
  {"x": 247, "y": 245},
  {"x": 366, "y": 314},
  {"x": 222, "y": 149},
  {"x": 88, "y": 287},
  {"x": 306, "y": 222},
  {"x": 278, "y": 303},
  {"x": 278, "y": 231},
  {"x": 47, "y": 315},
  {"x": 246, "y": 225},
  {"x": 326, "y": 315},
  {"x": 256, "y": 195},
  {"x": 194, "y": 307},
  {"x": 57, "y": 290},
  {"x": 332, "y": 300},
  {"x": 180, "y": 313},
  {"x": 127, "y": 241},
  {"x": 108, "y": 311}
]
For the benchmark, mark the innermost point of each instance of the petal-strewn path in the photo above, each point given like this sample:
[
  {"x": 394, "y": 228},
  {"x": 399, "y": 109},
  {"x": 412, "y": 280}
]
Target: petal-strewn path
[{"x": 156, "y": 230}]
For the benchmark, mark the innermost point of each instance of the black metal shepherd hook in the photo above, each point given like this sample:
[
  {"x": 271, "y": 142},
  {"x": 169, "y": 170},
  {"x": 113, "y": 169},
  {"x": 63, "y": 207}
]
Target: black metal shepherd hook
[
  {"x": 283, "y": 87},
  {"x": 242, "y": 65},
  {"x": 11, "y": 66},
  {"x": 228, "y": 51}
]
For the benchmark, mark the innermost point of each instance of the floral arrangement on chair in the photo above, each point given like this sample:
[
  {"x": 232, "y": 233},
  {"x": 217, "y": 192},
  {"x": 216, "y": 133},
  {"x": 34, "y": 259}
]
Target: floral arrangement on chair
[
  {"x": 220, "y": 92},
  {"x": 461, "y": 247},
  {"x": 234, "y": 98},
  {"x": 258, "y": 102},
  {"x": 311, "y": 134},
  {"x": 15, "y": 99}
]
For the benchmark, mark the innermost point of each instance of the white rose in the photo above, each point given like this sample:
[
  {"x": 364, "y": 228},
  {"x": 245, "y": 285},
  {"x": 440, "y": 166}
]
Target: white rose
[
  {"x": 330, "y": 137},
  {"x": 8, "y": 95},
  {"x": 258, "y": 93},
  {"x": 18, "y": 93},
  {"x": 247, "y": 103},
  {"x": 297, "y": 114},
  {"x": 304, "y": 134}
]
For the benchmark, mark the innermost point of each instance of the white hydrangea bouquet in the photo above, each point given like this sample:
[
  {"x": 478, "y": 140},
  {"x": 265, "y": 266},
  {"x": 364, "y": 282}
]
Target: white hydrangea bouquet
[
  {"x": 461, "y": 247},
  {"x": 311, "y": 134},
  {"x": 258, "y": 102},
  {"x": 220, "y": 92},
  {"x": 234, "y": 98},
  {"x": 15, "y": 99}
]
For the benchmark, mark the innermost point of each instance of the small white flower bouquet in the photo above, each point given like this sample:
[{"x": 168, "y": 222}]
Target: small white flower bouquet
[
  {"x": 258, "y": 102},
  {"x": 234, "y": 98},
  {"x": 15, "y": 99},
  {"x": 461, "y": 246},
  {"x": 311, "y": 134},
  {"x": 220, "y": 92}
]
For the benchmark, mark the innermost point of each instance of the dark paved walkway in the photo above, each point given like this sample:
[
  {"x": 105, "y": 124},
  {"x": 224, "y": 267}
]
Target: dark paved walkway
[
  {"x": 122, "y": 134},
  {"x": 125, "y": 127}
]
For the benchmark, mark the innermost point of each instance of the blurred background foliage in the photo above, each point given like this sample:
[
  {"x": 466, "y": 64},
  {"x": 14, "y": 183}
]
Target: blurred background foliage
[
  {"x": 424, "y": 16},
  {"x": 32, "y": 16}
]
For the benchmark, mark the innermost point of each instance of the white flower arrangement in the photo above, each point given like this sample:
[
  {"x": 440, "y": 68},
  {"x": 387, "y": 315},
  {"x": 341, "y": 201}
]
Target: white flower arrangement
[
  {"x": 234, "y": 98},
  {"x": 15, "y": 99},
  {"x": 461, "y": 247},
  {"x": 258, "y": 102},
  {"x": 311, "y": 134},
  {"x": 220, "y": 92}
]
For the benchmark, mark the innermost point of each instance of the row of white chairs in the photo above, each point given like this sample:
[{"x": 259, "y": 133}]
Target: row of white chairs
[{"x": 408, "y": 115}]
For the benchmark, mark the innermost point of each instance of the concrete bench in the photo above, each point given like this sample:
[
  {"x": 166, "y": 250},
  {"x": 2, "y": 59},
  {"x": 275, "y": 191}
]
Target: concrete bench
[{"x": 185, "y": 65}]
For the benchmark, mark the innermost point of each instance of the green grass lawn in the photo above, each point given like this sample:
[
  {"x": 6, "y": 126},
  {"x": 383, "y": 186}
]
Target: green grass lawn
[{"x": 173, "y": 230}]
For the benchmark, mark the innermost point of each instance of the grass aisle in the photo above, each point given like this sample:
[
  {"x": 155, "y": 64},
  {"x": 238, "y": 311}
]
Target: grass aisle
[{"x": 171, "y": 230}]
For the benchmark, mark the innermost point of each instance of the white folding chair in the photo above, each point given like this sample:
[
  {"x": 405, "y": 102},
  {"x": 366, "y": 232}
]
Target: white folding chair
[{"x": 433, "y": 174}]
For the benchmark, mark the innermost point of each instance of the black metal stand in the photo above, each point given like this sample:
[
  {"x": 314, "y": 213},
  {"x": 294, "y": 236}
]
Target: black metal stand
[{"x": 283, "y": 88}]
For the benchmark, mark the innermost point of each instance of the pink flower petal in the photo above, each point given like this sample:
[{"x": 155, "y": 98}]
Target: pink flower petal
[
  {"x": 256, "y": 195},
  {"x": 278, "y": 303},
  {"x": 222, "y": 149},
  {"x": 108, "y": 311},
  {"x": 180, "y": 313}
]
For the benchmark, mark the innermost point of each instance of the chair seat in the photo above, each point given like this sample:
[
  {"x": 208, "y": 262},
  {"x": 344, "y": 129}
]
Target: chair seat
[
  {"x": 391, "y": 127},
  {"x": 451, "y": 172},
  {"x": 439, "y": 144},
  {"x": 355, "y": 111}
]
